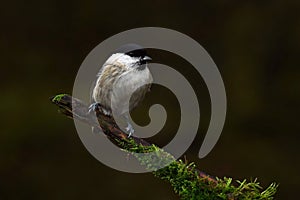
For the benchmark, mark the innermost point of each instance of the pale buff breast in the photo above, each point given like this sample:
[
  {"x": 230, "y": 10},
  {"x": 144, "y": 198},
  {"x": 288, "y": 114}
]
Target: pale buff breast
[
  {"x": 116, "y": 92},
  {"x": 130, "y": 90}
]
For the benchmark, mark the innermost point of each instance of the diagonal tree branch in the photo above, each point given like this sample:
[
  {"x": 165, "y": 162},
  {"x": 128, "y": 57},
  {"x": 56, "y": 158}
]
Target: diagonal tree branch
[
  {"x": 186, "y": 179},
  {"x": 75, "y": 108}
]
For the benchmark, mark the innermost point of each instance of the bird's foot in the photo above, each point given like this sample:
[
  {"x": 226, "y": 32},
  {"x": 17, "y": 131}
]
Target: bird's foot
[
  {"x": 129, "y": 129},
  {"x": 93, "y": 107}
]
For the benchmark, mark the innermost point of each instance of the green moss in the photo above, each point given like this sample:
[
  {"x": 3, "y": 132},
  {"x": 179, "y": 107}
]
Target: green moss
[
  {"x": 58, "y": 97},
  {"x": 186, "y": 182}
]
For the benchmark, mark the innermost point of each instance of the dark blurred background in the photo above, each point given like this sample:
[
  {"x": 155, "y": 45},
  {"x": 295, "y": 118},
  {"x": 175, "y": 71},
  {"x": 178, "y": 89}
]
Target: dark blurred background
[{"x": 255, "y": 44}]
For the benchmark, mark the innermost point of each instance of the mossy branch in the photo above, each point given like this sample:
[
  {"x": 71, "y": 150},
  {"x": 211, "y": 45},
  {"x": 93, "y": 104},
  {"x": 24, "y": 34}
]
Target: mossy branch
[{"x": 188, "y": 182}]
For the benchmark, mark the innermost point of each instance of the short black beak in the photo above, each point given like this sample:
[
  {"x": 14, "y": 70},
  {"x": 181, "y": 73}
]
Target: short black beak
[{"x": 146, "y": 59}]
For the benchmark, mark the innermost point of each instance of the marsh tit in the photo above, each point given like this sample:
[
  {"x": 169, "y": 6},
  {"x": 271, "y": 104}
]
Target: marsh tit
[{"x": 122, "y": 83}]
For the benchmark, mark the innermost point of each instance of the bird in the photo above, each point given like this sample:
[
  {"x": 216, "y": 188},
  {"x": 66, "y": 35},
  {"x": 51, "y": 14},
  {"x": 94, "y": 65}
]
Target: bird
[{"x": 124, "y": 76}]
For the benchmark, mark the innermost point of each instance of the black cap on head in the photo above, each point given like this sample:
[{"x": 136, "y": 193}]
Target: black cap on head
[{"x": 133, "y": 50}]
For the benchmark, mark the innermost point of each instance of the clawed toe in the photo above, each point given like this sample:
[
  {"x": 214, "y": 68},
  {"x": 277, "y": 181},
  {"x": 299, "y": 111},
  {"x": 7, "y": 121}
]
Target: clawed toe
[
  {"x": 129, "y": 129},
  {"x": 93, "y": 107}
]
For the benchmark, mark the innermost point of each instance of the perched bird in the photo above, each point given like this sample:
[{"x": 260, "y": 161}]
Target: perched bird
[{"x": 123, "y": 77}]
